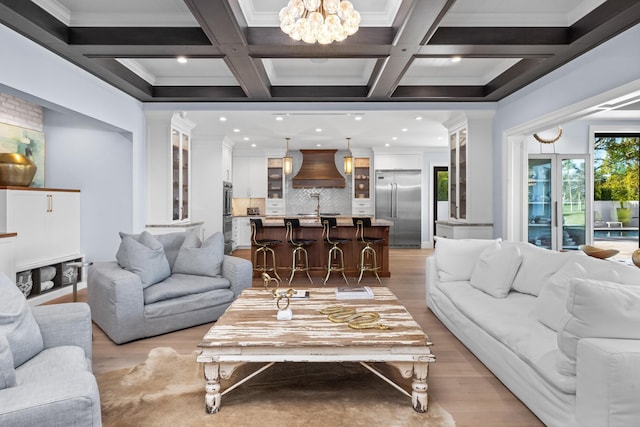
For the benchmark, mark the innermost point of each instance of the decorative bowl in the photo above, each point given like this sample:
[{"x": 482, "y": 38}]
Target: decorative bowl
[
  {"x": 635, "y": 257},
  {"x": 16, "y": 170},
  {"x": 596, "y": 252}
]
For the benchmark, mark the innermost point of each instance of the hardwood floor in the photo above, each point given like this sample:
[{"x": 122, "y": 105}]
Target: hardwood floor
[{"x": 457, "y": 381}]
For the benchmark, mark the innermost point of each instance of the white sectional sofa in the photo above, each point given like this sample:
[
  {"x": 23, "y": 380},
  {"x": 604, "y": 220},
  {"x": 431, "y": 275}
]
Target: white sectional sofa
[{"x": 560, "y": 330}]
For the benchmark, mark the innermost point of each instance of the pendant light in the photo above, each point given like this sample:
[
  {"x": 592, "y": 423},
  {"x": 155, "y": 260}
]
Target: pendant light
[
  {"x": 348, "y": 159},
  {"x": 287, "y": 161}
]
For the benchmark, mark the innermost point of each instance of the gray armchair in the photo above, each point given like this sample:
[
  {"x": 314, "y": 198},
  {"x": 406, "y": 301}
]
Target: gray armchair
[
  {"x": 45, "y": 363},
  {"x": 127, "y": 306}
]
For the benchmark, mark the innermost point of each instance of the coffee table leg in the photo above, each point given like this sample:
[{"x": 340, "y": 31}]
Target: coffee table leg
[
  {"x": 419, "y": 397},
  {"x": 212, "y": 387}
]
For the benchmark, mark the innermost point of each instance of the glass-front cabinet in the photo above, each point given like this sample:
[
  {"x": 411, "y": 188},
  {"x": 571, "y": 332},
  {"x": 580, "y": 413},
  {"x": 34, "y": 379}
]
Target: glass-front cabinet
[
  {"x": 180, "y": 173},
  {"x": 558, "y": 206},
  {"x": 458, "y": 174},
  {"x": 275, "y": 184},
  {"x": 361, "y": 178}
]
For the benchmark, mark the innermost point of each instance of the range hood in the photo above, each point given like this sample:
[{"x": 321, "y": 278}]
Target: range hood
[{"x": 318, "y": 170}]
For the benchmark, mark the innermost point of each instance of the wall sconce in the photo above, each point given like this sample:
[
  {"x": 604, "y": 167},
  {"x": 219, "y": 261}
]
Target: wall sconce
[
  {"x": 348, "y": 159},
  {"x": 287, "y": 161}
]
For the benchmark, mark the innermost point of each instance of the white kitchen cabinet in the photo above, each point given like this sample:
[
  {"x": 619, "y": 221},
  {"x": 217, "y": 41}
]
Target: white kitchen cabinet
[
  {"x": 227, "y": 162},
  {"x": 458, "y": 174},
  {"x": 241, "y": 232},
  {"x": 362, "y": 204},
  {"x": 249, "y": 176},
  {"x": 275, "y": 207},
  {"x": 47, "y": 222},
  {"x": 180, "y": 172}
]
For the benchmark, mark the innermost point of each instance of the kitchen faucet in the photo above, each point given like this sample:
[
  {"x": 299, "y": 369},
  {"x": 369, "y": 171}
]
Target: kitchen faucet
[{"x": 316, "y": 196}]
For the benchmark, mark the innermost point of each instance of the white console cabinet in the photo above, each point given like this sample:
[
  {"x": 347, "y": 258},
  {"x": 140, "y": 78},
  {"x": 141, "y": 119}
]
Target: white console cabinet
[{"x": 47, "y": 222}]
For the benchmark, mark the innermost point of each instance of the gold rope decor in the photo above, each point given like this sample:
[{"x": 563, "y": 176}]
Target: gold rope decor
[
  {"x": 362, "y": 320},
  {"x": 548, "y": 141}
]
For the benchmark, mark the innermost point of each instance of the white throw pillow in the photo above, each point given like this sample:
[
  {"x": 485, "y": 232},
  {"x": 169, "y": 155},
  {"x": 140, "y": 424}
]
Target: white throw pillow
[
  {"x": 495, "y": 269},
  {"x": 455, "y": 258},
  {"x": 551, "y": 304},
  {"x": 599, "y": 309},
  {"x": 538, "y": 265}
]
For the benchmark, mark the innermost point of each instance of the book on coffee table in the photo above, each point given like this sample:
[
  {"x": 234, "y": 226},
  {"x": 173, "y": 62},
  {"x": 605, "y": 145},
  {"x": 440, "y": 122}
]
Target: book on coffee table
[
  {"x": 361, "y": 292},
  {"x": 300, "y": 294}
]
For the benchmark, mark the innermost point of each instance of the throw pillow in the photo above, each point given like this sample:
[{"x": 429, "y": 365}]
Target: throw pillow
[
  {"x": 144, "y": 257},
  {"x": 7, "y": 371},
  {"x": 551, "y": 304},
  {"x": 205, "y": 260},
  {"x": 17, "y": 323},
  {"x": 495, "y": 269},
  {"x": 455, "y": 258},
  {"x": 599, "y": 309},
  {"x": 538, "y": 265}
]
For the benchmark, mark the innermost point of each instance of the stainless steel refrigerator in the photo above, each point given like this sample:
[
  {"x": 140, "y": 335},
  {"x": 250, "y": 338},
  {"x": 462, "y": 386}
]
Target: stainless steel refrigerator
[{"x": 398, "y": 200}]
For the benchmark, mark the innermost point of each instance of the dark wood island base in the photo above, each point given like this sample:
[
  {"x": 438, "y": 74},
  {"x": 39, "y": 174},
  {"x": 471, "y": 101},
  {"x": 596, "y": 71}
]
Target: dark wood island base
[{"x": 318, "y": 252}]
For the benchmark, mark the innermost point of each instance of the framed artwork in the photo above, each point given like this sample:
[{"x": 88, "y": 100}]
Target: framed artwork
[{"x": 28, "y": 142}]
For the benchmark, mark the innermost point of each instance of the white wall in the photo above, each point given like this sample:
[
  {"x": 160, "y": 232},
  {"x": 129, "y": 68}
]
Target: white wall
[
  {"x": 574, "y": 83},
  {"x": 82, "y": 155},
  {"x": 206, "y": 181},
  {"x": 39, "y": 76}
]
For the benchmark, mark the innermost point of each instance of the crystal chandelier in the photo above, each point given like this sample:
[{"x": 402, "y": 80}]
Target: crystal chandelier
[{"x": 322, "y": 21}]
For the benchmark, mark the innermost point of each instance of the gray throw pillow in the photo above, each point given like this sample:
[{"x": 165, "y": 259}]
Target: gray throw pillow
[
  {"x": 17, "y": 323},
  {"x": 144, "y": 257},
  {"x": 7, "y": 371},
  {"x": 205, "y": 260}
]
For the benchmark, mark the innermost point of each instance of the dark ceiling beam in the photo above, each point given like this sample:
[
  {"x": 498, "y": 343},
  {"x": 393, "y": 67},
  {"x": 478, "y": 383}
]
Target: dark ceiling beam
[
  {"x": 226, "y": 31},
  {"x": 134, "y": 84},
  {"x": 275, "y": 36},
  {"x": 488, "y": 51},
  {"x": 302, "y": 93},
  {"x": 605, "y": 15},
  {"x": 439, "y": 93},
  {"x": 422, "y": 17},
  {"x": 32, "y": 21},
  {"x": 140, "y": 36},
  {"x": 500, "y": 36},
  {"x": 198, "y": 93}
]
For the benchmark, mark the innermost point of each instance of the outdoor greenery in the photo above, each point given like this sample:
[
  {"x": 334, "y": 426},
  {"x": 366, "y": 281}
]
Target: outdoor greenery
[{"x": 616, "y": 168}]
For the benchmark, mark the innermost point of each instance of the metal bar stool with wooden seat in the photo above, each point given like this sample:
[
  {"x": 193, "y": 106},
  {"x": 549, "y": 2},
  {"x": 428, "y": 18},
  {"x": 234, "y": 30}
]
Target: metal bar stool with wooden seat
[
  {"x": 300, "y": 257},
  {"x": 335, "y": 261},
  {"x": 263, "y": 246},
  {"x": 368, "y": 257}
]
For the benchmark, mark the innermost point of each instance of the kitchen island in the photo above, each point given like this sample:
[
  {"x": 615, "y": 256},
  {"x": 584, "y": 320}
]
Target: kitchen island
[{"x": 311, "y": 228}]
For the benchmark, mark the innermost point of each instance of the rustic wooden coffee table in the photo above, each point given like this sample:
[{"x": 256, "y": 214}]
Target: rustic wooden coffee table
[{"x": 249, "y": 332}]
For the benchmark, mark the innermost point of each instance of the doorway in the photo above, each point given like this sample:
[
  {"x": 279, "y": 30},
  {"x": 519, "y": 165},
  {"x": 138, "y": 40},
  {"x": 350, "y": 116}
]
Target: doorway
[
  {"x": 616, "y": 185},
  {"x": 441, "y": 194}
]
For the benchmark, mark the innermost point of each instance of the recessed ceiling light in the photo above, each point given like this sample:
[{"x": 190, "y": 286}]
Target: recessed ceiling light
[
  {"x": 387, "y": 144},
  {"x": 318, "y": 130},
  {"x": 456, "y": 59},
  {"x": 279, "y": 118},
  {"x": 236, "y": 130},
  {"x": 404, "y": 129},
  {"x": 395, "y": 138},
  {"x": 253, "y": 145},
  {"x": 223, "y": 119},
  {"x": 246, "y": 138},
  {"x": 182, "y": 59},
  {"x": 358, "y": 118},
  {"x": 419, "y": 118},
  {"x": 318, "y": 145}
]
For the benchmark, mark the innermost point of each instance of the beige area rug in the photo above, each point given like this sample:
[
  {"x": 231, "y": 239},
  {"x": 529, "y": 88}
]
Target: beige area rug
[{"x": 168, "y": 390}]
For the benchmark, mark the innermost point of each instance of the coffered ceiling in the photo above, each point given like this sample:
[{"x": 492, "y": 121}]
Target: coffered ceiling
[
  {"x": 236, "y": 51},
  {"x": 248, "y": 82}
]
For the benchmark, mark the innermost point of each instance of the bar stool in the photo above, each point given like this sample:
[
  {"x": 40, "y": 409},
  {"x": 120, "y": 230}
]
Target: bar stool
[
  {"x": 264, "y": 246},
  {"x": 300, "y": 259},
  {"x": 335, "y": 253},
  {"x": 368, "y": 257}
]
